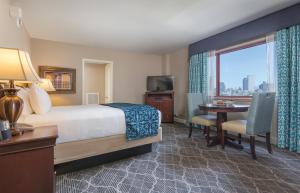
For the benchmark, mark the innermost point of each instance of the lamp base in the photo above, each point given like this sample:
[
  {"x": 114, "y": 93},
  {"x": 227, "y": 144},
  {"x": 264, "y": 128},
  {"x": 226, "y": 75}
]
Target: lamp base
[{"x": 11, "y": 106}]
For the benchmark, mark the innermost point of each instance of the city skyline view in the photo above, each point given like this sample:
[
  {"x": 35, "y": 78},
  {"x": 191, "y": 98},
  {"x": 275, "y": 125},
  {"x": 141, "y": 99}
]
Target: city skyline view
[{"x": 238, "y": 65}]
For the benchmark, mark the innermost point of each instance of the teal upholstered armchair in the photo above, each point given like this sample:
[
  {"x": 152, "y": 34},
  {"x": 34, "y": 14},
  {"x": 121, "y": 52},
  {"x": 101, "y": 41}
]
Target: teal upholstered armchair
[
  {"x": 195, "y": 116},
  {"x": 258, "y": 122}
]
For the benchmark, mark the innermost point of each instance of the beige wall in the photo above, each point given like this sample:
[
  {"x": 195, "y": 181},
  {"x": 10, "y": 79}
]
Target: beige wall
[
  {"x": 10, "y": 35},
  {"x": 129, "y": 69},
  {"x": 166, "y": 66},
  {"x": 95, "y": 80},
  {"x": 176, "y": 64}
]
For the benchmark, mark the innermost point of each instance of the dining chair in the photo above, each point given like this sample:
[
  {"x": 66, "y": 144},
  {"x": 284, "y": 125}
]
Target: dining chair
[
  {"x": 258, "y": 122},
  {"x": 197, "y": 117}
]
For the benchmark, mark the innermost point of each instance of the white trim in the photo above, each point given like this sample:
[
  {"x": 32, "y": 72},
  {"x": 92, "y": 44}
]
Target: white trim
[
  {"x": 109, "y": 84},
  {"x": 179, "y": 120}
]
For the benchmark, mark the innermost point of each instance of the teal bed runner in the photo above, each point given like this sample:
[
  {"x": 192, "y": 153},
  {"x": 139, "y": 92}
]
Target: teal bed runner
[{"x": 141, "y": 120}]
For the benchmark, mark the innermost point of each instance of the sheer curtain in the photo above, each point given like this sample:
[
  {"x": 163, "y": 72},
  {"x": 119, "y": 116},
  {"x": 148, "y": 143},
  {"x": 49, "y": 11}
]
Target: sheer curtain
[
  {"x": 211, "y": 76},
  {"x": 271, "y": 63}
]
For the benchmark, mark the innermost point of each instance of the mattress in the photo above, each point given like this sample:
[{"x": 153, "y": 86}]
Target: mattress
[{"x": 81, "y": 122}]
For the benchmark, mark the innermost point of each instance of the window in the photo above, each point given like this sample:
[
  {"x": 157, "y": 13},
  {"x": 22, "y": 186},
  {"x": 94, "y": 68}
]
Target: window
[{"x": 242, "y": 71}]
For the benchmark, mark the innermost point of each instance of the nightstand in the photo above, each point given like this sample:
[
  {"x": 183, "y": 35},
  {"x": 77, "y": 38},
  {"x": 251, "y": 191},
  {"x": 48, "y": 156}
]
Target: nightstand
[{"x": 27, "y": 162}]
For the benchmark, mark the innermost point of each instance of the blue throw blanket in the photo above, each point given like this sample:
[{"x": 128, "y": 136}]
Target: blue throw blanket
[{"x": 141, "y": 120}]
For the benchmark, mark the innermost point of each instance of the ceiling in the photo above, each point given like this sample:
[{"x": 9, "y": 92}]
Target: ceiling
[{"x": 149, "y": 26}]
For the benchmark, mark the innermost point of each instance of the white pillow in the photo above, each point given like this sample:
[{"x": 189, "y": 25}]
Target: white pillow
[
  {"x": 39, "y": 100},
  {"x": 24, "y": 95}
]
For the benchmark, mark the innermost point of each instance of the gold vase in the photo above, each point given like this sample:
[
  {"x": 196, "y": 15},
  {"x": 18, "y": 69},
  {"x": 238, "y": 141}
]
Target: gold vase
[{"x": 11, "y": 106}]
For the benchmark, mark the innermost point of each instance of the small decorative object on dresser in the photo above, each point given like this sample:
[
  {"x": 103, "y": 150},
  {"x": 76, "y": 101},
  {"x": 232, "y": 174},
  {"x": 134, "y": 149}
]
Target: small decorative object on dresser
[
  {"x": 26, "y": 162},
  {"x": 63, "y": 79},
  {"x": 5, "y": 132},
  {"x": 163, "y": 101}
]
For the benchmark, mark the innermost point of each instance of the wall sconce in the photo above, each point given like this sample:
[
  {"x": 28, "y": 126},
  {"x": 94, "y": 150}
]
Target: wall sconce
[{"x": 16, "y": 13}]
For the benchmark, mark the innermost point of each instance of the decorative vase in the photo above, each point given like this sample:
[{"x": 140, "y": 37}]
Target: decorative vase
[{"x": 11, "y": 106}]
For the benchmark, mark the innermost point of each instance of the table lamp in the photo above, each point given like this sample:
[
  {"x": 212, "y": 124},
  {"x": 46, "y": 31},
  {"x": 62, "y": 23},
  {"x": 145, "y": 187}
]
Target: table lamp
[
  {"x": 46, "y": 84},
  {"x": 15, "y": 65}
]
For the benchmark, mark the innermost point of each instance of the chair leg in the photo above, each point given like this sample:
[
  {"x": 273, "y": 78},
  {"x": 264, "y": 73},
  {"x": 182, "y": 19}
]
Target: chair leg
[
  {"x": 207, "y": 134},
  {"x": 223, "y": 139},
  {"x": 252, "y": 146},
  {"x": 204, "y": 130},
  {"x": 268, "y": 141},
  {"x": 240, "y": 138},
  {"x": 191, "y": 130}
]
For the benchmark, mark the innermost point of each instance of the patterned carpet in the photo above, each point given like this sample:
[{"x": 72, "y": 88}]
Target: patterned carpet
[{"x": 182, "y": 165}]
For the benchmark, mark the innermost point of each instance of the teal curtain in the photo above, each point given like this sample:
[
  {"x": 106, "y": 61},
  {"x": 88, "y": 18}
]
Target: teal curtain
[
  {"x": 288, "y": 61},
  {"x": 198, "y": 73}
]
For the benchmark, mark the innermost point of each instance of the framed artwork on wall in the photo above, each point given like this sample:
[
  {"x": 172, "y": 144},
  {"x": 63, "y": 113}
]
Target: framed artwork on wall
[{"x": 63, "y": 79}]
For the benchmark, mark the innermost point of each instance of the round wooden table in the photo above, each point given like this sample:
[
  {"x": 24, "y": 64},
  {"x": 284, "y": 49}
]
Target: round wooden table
[{"x": 222, "y": 111}]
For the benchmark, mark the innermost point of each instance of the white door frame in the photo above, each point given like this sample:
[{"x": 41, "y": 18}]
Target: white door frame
[{"x": 108, "y": 78}]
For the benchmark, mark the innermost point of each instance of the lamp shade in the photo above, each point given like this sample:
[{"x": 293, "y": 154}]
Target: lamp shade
[
  {"x": 47, "y": 85},
  {"x": 16, "y": 65}
]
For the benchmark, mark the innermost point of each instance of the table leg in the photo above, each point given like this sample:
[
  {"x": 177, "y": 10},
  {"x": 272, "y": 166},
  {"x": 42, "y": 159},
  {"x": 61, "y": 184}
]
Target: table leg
[{"x": 221, "y": 117}]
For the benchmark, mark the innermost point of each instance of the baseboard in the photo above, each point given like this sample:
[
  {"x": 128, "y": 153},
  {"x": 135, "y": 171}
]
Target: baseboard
[{"x": 179, "y": 120}]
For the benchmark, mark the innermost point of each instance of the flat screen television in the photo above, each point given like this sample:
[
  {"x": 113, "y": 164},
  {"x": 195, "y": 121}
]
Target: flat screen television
[{"x": 160, "y": 83}]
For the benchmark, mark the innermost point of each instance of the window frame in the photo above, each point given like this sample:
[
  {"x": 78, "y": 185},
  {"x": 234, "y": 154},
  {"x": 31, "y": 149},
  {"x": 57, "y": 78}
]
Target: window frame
[{"x": 254, "y": 43}]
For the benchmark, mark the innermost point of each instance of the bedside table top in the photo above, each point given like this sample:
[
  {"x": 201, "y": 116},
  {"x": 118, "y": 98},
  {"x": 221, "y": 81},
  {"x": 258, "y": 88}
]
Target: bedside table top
[{"x": 38, "y": 138}]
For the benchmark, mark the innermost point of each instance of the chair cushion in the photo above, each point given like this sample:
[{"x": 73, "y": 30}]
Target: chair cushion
[
  {"x": 238, "y": 126},
  {"x": 205, "y": 120}
]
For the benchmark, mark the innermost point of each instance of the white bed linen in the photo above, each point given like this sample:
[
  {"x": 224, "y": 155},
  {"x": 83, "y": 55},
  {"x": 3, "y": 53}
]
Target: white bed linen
[{"x": 81, "y": 122}]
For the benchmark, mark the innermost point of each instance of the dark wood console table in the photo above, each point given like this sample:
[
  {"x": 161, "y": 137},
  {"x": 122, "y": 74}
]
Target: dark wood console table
[{"x": 163, "y": 101}]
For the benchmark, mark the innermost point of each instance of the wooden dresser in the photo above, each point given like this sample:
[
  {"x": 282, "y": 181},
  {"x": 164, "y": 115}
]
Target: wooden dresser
[
  {"x": 163, "y": 101},
  {"x": 27, "y": 162}
]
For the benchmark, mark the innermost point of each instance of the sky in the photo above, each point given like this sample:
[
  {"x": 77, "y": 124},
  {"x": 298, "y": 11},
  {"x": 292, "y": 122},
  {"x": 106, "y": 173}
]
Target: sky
[{"x": 237, "y": 65}]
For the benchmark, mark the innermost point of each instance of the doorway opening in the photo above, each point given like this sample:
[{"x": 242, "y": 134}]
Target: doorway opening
[{"x": 97, "y": 81}]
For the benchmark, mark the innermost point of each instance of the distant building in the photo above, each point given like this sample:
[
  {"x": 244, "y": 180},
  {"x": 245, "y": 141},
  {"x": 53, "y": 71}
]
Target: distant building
[
  {"x": 251, "y": 83},
  {"x": 222, "y": 87},
  {"x": 245, "y": 83}
]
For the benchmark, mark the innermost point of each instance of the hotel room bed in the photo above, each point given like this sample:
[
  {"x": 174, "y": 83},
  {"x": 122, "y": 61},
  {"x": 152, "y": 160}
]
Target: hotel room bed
[{"x": 87, "y": 130}]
